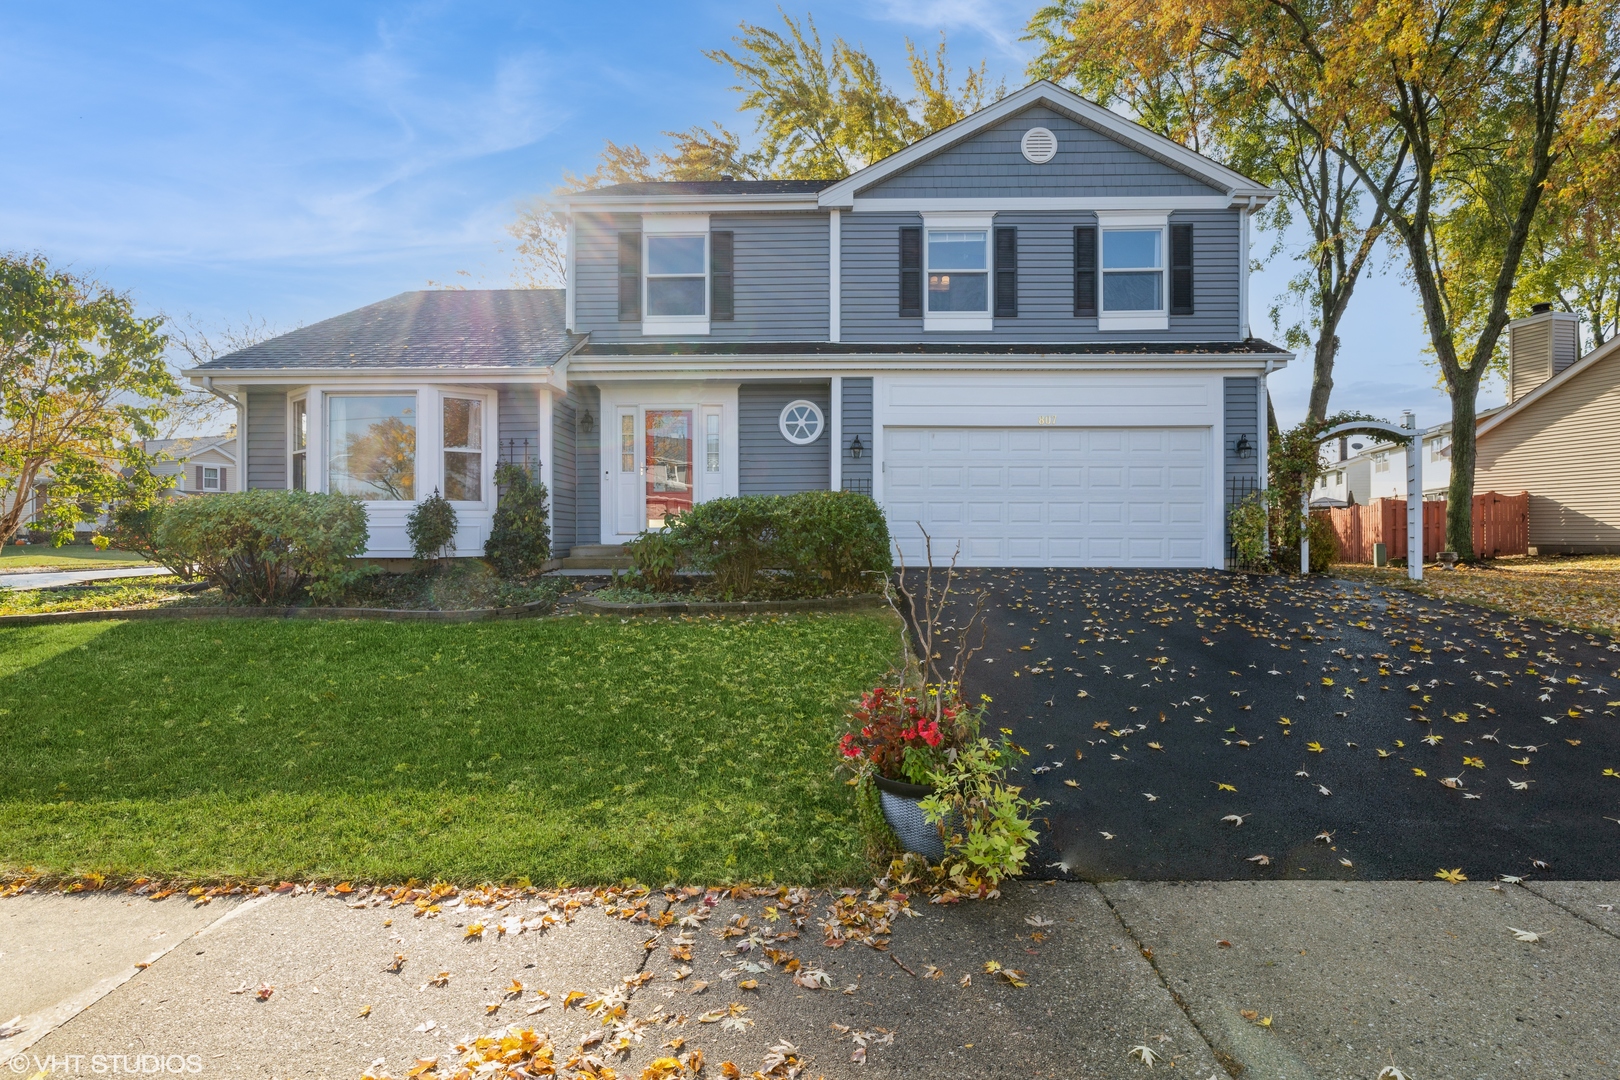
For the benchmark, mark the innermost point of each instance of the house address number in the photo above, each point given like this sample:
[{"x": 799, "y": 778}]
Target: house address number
[{"x": 1046, "y": 419}]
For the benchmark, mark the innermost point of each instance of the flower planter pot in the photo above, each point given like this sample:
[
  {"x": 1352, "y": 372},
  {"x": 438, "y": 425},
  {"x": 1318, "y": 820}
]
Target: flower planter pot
[{"x": 902, "y": 809}]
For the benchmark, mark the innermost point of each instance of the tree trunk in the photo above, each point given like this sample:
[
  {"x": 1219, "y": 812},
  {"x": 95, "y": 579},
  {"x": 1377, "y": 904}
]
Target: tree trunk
[
  {"x": 1460, "y": 495},
  {"x": 1327, "y": 347}
]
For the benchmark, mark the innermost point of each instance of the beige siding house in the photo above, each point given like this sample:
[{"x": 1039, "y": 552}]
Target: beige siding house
[
  {"x": 1559, "y": 436},
  {"x": 203, "y": 464}
]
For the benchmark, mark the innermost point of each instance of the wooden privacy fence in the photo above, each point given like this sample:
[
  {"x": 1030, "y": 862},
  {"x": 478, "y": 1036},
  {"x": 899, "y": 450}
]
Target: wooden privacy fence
[{"x": 1501, "y": 527}]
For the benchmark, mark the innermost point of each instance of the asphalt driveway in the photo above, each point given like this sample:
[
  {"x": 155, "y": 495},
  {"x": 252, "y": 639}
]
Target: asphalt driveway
[{"x": 1203, "y": 725}]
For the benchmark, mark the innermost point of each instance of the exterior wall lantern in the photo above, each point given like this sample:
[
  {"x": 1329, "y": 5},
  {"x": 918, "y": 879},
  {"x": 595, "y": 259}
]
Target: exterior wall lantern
[
  {"x": 1243, "y": 448},
  {"x": 856, "y": 449},
  {"x": 586, "y": 421}
]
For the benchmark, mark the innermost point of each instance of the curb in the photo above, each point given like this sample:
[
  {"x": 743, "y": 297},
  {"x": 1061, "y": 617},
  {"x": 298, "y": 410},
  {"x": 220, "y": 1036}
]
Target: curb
[
  {"x": 739, "y": 607},
  {"x": 521, "y": 611}
]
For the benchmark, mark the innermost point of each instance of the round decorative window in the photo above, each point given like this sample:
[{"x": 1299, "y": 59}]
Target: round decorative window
[
  {"x": 1039, "y": 145},
  {"x": 801, "y": 422}
]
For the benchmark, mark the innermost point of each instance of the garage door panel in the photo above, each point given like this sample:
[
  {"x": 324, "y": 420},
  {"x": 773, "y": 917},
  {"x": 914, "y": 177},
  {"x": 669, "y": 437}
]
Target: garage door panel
[{"x": 1051, "y": 496}]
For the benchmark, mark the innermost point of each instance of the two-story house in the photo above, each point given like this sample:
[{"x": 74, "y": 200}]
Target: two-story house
[{"x": 1025, "y": 333}]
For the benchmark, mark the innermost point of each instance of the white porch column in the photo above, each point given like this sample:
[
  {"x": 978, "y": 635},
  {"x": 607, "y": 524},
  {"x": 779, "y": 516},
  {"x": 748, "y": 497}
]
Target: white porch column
[
  {"x": 546, "y": 442},
  {"x": 1414, "y": 501},
  {"x": 836, "y": 420}
]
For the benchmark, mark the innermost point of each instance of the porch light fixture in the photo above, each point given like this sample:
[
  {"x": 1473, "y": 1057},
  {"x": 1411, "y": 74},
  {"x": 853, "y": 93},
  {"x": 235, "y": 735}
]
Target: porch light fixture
[
  {"x": 1243, "y": 448},
  {"x": 586, "y": 421},
  {"x": 856, "y": 449}
]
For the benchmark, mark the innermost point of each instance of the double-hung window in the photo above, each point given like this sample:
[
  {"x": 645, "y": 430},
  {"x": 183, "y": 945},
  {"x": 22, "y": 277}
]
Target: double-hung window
[
  {"x": 300, "y": 444},
  {"x": 1133, "y": 272},
  {"x": 956, "y": 268},
  {"x": 463, "y": 449},
  {"x": 210, "y": 478},
  {"x": 676, "y": 279}
]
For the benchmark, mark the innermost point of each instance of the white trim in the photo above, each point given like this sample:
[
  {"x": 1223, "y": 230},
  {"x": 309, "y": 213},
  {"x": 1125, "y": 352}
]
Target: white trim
[
  {"x": 1243, "y": 274},
  {"x": 305, "y": 396},
  {"x": 836, "y": 400},
  {"x": 586, "y": 203},
  {"x": 241, "y": 442},
  {"x": 835, "y": 277},
  {"x": 547, "y": 445},
  {"x": 642, "y": 368},
  {"x": 569, "y": 278},
  {"x": 1135, "y": 320},
  {"x": 1596, "y": 356},
  {"x": 1085, "y": 112},
  {"x": 801, "y": 403},
  {"x": 675, "y": 225},
  {"x": 1133, "y": 219}
]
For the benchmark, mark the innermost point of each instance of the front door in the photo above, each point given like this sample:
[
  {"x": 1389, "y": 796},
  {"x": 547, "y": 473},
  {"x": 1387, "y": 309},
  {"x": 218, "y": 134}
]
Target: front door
[{"x": 669, "y": 463}]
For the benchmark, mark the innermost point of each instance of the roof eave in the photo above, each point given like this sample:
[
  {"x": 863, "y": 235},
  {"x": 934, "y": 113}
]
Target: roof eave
[{"x": 717, "y": 203}]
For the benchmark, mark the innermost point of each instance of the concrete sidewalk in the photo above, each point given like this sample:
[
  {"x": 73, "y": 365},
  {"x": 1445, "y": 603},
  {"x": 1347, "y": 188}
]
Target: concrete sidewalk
[
  {"x": 1260, "y": 979},
  {"x": 53, "y": 578}
]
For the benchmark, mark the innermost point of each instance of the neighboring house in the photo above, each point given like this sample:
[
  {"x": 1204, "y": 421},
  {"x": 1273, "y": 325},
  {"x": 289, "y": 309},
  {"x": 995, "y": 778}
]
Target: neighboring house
[
  {"x": 1559, "y": 436},
  {"x": 203, "y": 464},
  {"x": 1377, "y": 470},
  {"x": 1025, "y": 333},
  {"x": 1332, "y": 488}
]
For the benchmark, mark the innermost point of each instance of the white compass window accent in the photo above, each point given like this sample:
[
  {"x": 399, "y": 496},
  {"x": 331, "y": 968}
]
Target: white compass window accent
[{"x": 801, "y": 422}]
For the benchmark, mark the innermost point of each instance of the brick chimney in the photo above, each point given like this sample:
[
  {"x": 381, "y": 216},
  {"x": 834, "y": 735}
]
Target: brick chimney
[{"x": 1539, "y": 347}]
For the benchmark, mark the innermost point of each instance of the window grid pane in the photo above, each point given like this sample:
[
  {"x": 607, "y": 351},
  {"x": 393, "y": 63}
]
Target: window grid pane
[
  {"x": 464, "y": 423},
  {"x": 957, "y": 251},
  {"x": 627, "y": 443},
  {"x": 1132, "y": 249},
  {"x": 712, "y": 444}
]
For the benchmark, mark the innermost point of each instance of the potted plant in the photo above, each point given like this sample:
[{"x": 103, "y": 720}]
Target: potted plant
[{"x": 899, "y": 743}]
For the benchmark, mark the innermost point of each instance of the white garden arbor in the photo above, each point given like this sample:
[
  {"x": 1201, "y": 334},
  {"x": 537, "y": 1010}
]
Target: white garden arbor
[{"x": 1414, "y": 488}]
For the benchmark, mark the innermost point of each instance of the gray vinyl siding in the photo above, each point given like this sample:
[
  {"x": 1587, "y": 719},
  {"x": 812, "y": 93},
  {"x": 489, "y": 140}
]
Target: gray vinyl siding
[
  {"x": 781, "y": 277},
  {"x": 991, "y": 164},
  {"x": 767, "y": 463},
  {"x": 517, "y": 415},
  {"x": 1242, "y": 417},
  {"x": 266, "y": 439},
  {"x": 871, "y": 276},
  {"x": 857, "y": 423},
  {"x": 564, "y": 480},
  {"x": 587, "y": 465}
]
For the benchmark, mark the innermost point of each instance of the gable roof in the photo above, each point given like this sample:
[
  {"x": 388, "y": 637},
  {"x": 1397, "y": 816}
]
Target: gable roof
[
  {"x": 190, "y": 446},
  {"x": 1563, "y": 378},
  {"x": 450, "y": 329},
  {"x": 1082, "y": 111}
]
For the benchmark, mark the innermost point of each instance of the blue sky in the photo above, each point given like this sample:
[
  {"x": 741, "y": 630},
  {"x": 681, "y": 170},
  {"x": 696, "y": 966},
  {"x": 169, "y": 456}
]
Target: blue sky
[{"x": 292, "y": 161}]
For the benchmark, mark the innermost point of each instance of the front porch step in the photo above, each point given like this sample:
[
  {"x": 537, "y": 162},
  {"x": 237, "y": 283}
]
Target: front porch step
[{"x": 597, "y": 557}]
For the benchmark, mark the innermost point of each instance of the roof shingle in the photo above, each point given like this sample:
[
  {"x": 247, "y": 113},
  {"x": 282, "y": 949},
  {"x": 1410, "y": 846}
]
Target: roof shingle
[{"x": 447, "y": 329}]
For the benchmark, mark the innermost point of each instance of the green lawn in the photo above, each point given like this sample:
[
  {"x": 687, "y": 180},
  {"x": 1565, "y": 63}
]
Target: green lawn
[
  {"x": 37, "y": 558},
  {"x": 562, "y": 750}
]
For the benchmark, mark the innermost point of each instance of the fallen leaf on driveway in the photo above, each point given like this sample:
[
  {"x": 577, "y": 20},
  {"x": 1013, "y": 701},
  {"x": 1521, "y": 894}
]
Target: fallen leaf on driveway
[
  {"x": 1524, "y": 935},
  {"x": 1456, "y": 876}
]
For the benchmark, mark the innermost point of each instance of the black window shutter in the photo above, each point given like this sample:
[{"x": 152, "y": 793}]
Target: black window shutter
[
  {"x": 1006, "y": 273},
  {"x": 911, "y": 292},
  {"x": 722, "y": 280},
  {"x": 1085, "y": 271},
  {"x": 223, "y": 485},
  {"x": 199, "y": 477},
  {"x": 630, "y": 276},
  {"x": 1181, "y": 269}
]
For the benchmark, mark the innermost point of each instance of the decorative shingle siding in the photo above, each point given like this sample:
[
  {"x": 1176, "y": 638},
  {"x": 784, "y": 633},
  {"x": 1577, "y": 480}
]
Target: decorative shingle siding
[
  {"x": 767, "y": 463},
  {"x": 857, "y": 422},
  {"x": 871, "y": 275},
  {"x": 781, "y": 276},
  {"x": 991, "y": 164},
  {"x": 266, "y": 438}
]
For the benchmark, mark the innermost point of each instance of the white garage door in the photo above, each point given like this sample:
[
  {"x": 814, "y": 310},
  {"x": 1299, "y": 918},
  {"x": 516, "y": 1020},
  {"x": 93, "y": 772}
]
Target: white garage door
[{"x": 1051, "y": 496}]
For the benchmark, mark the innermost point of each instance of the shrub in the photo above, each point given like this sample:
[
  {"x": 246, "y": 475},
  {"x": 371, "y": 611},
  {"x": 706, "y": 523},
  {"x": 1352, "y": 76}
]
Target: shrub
[
  {"x": 836, "y": 536},
  {"x": 1249, "y": 524},
  {"x": 520, "y": 540},
  {"x": 1324, "y": 543},
  {"x": 432, "y": 528},
  {"x": 267, "y": 546},
  {"x": 986, "y": 821},
  {"x": 734, "y": 538},
  {"x": 656, "y": 555}
]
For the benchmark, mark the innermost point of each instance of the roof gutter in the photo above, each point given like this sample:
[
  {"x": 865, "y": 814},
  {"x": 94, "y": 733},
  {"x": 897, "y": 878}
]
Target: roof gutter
[{"x": 208, "y": 385}]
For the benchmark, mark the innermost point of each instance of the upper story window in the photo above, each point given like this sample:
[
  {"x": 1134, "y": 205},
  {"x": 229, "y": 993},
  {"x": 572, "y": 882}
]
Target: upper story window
[
  {"x": 1133, "y": 270},
  {"x": 677, "y": 276},
  {"x": 1440, "y": 448},
  {"x": 958, "y": 270},
  {"x": 371, "y": 446},
  {"x": 210, "y": 478},
  {"x": 1381, "y": 461}
]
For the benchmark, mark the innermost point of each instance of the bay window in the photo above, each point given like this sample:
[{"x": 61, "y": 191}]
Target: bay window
[
  {"x": 300, "y": 444},
  {"x": 463, "y": 449},
  {"x": 371, "y": 446}
]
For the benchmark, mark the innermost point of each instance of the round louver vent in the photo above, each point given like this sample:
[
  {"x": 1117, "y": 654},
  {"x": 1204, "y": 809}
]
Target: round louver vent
[{"x": 1039, "y": 145}]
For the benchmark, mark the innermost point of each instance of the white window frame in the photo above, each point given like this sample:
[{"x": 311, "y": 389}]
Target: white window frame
[
  {"x": 1381, "y": 461},
  {"x": 980, "y": 321},
  {"x": 1133, "y": 221},
  {"x": 422, "y": 483},
  {"x": 676, "y": 225},
  {"x": 486, "y": 471},
  {"x": 206, "y": 469},
  {"x": 1438, "y": 447},
  {"x": 293, "y": 400},
  {"x": 802, "y": 403}
]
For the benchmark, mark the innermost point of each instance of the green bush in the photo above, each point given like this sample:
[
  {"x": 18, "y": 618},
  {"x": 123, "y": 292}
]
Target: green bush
[
  {"x": 836, "y": 536},
  {"x": 432, "y": 528},
  {"x": 269, "y": 547},
  {"x": 656, "y": 556},
  {"x": 1249, "y": 525},
  {"x": 732, "y": 538},
  {"x": 1324, "y": 543},
  {"x": 520, "y": 540}
]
